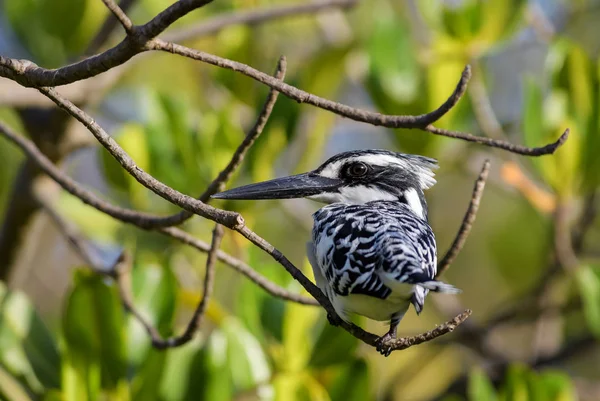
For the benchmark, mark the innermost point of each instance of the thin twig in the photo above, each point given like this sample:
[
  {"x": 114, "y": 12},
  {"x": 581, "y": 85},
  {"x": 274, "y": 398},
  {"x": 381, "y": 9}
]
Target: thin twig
[
  {"x": 68, "y": 230},
  {"x": 119, "y": 14},
  {"x": 228, "y": 219},
  {"x": 29, "y": 74},
  {"x": 378, "y": 119},
  {"x": 254, "y": 17},
  {"x": 107, "y": 28},
  {"x": 467, "y": 222},
  {"x": 138, "y": 218},
  {"x": 122, "y": 274},
  {"x": 89, "y": 198},
  {"x": 240, "y": 266},
  {"x": 496, "y": 143},
  {"x": 236, "y": 159},
  {"x": 366, "y": 337},
  {"x": 196, "y": 319},
  {"x": 422, "y": 121}
]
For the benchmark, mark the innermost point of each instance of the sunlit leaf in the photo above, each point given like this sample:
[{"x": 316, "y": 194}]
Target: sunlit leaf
[
  {"x": 210, "y": 378},
  {"x": 558, "y": 386},
  {"x": 246, "y": 359},
  {"x": 93, "y": 327},
  {"x": 11, "y": 389},
  {"x": 480, "y": 387},
  {"x": 515, "y": 387},
  {"x": 154, "y": 289},
  {"x": 27, "y": 348}
]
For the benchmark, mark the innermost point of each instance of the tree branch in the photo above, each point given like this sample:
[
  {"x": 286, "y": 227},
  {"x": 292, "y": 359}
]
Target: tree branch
[
  {"x": 109, "y": 25},
  {"x": 139, "y": 218},
  {"x": 467, "y": 222},
  {"x": 228, "y": 219},
  {"x": 254, "y": 17},
  {"x": 238, "y": 156},
  {"x": 240, "y": 266},
  {"x": 119, "y": 14},
  {"x": 196, "y": 319},
  {"x": 29, "y": 74},
  {"x": 422, "y": 121}
]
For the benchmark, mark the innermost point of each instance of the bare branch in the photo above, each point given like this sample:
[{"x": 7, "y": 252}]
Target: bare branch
[
  {"x": 238, "y": 156},
  {"x": 254, "y": 17},
  {"x": 78, "y": 243},
  {"x": 107, "y": 28},
  {"x": 240, "y": 266},
  {"x": 228, "y": 219},
  {"x": 496, "y": 143},
  {"x": 390, "y": 121},
  {"x": 119, "y": 14},
  {"x": 139, "y": 218},
  {"x": 196, "y": 319},
  {"x": 28, "y": 74},
  {"x": 467, "y": 222},
  {"x": 366, "y": 337},
  {"x": 422, "y": 121},
  {"x": 445, "y": 328},
  {"x": 122, "y": 276}
]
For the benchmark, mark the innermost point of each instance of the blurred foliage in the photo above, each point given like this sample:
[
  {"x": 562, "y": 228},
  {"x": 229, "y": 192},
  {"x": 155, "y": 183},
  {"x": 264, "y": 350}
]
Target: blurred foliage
[{"x": 181, "y": 121}]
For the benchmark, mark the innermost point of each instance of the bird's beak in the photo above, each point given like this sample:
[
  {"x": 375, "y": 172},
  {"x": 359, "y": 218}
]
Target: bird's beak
[{"x": 295, "y": 186}]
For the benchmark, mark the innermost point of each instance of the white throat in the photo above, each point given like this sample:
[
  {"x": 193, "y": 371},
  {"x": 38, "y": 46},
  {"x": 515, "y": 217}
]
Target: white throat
[{"x": 363, "y": 194}]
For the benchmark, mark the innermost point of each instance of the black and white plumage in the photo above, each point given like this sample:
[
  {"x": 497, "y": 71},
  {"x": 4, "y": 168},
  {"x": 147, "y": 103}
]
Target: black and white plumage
[{"x": 372, "y": 251}]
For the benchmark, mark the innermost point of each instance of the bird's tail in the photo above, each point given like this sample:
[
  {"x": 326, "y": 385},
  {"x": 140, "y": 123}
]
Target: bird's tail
[
  {"x": 439, "y": 286},
  {"x": 422, "y": 288}
]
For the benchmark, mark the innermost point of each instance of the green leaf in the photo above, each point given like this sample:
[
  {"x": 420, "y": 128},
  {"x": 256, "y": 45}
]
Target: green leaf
[
  {"x": 155, "y": 293},
  {"x": 588, "y": 282},
  {"x": 27, "y": 348},
  {"x": 146, "y": 383},
  {"x": 333, "y": 346},
  {"x": 392, "y": 58},
  {"x": 516, "y": 385},
  {"x": 480, "y": 387},
  {"x": 247, "y": 361},
  {"x": 533, "y": 127},
  {"x": 210, "y": 377},
  {"x": 177, "y": 372},
  {"x": 352, "y": 382},
  {"x": 10, "y": 388},
  {"x": 558, "y": 386},
  {"x": 61, "y": 18},
  {"x": 93, "y": 327}
]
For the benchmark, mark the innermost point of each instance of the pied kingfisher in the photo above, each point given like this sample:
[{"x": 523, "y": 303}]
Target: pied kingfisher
[{"x": 373, "y": 252}]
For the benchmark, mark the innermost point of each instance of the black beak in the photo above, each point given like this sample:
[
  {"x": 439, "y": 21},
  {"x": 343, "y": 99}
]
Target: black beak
[{"x": 295, "y": 186}]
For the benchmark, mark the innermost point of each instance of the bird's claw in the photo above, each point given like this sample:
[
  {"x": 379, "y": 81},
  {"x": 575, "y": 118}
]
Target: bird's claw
[
  {"x": 383, "y": 344},
  {"x": 331, "y": 320}
]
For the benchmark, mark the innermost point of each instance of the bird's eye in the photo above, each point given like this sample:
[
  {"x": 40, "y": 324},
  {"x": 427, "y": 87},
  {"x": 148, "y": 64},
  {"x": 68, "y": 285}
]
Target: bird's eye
[{"x": 357, "y": 169}]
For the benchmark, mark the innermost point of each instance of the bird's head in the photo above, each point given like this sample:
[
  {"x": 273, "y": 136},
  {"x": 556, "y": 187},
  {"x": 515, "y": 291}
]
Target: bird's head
[{"x": 352, "y": 177}]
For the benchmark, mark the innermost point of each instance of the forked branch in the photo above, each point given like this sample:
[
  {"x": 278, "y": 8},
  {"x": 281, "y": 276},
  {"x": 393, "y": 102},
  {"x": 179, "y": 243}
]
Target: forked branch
[{"x": 143, "y": 38}]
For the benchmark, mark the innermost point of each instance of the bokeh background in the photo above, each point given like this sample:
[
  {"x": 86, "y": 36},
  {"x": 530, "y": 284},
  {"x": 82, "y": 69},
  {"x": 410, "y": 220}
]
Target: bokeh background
[{"x": 532, "y": 336}]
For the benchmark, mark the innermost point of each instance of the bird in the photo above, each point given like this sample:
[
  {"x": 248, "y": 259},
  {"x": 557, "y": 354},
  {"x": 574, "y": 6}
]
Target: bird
[{"x": 372, "y": 250}]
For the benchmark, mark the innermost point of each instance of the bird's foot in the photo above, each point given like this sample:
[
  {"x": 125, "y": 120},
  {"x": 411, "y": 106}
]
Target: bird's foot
[
  {"x": 331, "y": 320},
  {"x": 384, "y": 344}
]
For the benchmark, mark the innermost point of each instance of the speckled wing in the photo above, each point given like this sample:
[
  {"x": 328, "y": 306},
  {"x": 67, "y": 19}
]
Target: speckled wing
[{"x": 369, "y": 248}]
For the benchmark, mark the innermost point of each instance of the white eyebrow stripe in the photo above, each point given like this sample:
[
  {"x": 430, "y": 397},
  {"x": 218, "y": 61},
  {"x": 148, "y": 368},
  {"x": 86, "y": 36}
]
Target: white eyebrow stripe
[{"x": 424, "y": 174}]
